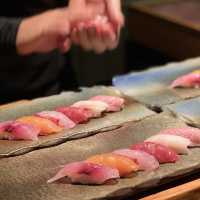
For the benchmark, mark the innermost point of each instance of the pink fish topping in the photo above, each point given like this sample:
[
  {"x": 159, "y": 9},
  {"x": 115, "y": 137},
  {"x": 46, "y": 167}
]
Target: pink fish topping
[
  {"x": 97, "y": 107},
  {"x": 18, "y": 131},
  {"x": 114, "y": 103},
  {"x": 58, "y": 118},
  {"x": 86, "y": 173},
  {"x": 191, "y": 80},
  {"x": 5, "y": 125},
  {"x": 145, "y": 160},
  {"x": 177, "y": 143},
  {"x": 193, "y": 134},
  {"x": 77, "y": 115},
  {"x": 162, "y": 153}
]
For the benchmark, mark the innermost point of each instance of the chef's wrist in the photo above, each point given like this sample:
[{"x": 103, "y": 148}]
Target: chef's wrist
[
  {"x": 38, "y": 34},
  {"x": 24, "y": 40}
]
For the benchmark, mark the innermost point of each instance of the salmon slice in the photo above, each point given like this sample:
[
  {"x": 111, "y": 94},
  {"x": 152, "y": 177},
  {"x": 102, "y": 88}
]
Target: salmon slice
[
  {"x": 46, "y": 126},
  {"x": 124, "y": 165}
]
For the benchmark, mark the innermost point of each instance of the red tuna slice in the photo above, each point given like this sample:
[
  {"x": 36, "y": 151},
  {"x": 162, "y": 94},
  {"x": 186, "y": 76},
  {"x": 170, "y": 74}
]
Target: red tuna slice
[
  {"x": 145, "y": 160},
  {"x": 115, "y": 103},
  {"x": 86, "y": 173},
  {"x": 21, "y": 131},
  {"x": 77, "y": 115},
  {"x": 193, "y": 134},
  {"x": 191, "y": 80},
  {"x": 162, "y": 153},
  {"x": 58, "y": 118}
]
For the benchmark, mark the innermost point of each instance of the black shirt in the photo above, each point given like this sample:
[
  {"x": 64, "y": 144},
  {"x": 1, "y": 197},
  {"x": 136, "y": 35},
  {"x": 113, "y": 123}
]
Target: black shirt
[{"x": 34, "y": 75}]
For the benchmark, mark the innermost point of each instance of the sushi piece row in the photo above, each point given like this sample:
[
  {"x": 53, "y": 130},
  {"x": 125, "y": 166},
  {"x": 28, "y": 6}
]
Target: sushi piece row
[
  {"x": 51, "y": 122},
  {"x": 161, "y": 148},
  {"x": 191, "y": 80}
]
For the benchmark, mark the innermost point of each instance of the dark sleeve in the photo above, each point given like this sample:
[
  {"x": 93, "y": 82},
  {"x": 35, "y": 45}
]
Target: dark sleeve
[{"x": 8, "y": 32}]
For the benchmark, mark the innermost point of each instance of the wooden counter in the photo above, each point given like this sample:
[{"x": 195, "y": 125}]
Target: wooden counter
[{"x": 177, "y": 34}]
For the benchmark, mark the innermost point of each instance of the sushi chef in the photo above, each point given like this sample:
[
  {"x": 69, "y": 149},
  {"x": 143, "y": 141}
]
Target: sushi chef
[{"x": 35, "y": 34}]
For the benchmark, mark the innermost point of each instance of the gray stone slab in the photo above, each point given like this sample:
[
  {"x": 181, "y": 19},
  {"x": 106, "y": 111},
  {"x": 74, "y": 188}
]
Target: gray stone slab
[
  {"x": 133, "y": 111},
  {"x": 24, "y": 177},
  {"x": 188, "y": 111},
  {"x": 148, "y": 85}
]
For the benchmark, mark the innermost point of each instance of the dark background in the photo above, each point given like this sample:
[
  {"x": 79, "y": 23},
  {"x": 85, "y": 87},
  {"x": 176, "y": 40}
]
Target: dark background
[{"x": 91, "y": 69}]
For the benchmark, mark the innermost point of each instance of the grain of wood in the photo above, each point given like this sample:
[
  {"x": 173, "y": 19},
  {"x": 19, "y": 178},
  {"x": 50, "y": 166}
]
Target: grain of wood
[{"x": 187, "y": 191}]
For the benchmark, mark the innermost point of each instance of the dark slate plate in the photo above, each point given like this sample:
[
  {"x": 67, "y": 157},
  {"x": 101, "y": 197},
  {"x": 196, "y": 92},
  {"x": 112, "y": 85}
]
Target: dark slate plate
[
  {"x": 188, "y": 111},
  {"x": 133, "y": 111},
  {"x": 148, "y": 85},
  {"x": 24, "y": 177}
]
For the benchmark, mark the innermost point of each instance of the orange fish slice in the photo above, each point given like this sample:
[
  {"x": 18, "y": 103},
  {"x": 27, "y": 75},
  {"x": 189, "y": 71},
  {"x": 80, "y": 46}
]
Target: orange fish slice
[
  {"x": 196, "y": 72},
  {"x": 46, "y": 126},
  {"x": 124, "y": 165}
]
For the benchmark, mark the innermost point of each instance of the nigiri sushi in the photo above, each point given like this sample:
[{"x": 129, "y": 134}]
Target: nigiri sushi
[
  {"x": 97, "y": 107},
  {"x": 177, "y": 143},
  {"x": 124, "y": 165},
  {"x": 21, "y": 131},
  {"x": 58, "y": 118},
  {"x": 45, "y": 126},
  {"x": 18, "y": 131},
  {"x": 193, "y": 134},
  {"x": 162, "y": 153},
  {"x": 191, "y": 80},
  {"x": 77, "y": 115},
  {"x": 144, "y": 160},
  {"x": 86, "y": 173},
  {"x": 114, "y": 103},
  {"x": 5, "y": 125}
]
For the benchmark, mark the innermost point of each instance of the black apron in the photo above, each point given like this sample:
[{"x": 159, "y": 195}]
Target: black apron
[{"x": 27, "y": 77}]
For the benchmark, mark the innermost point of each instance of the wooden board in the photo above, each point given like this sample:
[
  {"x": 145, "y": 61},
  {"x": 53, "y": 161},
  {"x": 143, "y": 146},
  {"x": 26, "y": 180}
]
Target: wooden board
[
  {"x": 171, "y": 34},
  {"x": 34, "y": 168},
  {"x": 187, "y": 191}
]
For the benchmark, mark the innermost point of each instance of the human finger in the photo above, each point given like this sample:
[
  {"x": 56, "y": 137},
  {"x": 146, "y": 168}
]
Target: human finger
[
  {"x": 65, "y": 45},
  {"x": 84, "y": 41}
]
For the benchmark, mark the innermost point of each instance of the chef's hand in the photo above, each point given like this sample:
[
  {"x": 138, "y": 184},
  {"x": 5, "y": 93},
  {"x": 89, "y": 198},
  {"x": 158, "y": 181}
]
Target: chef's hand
[
  {"x": 103, "y": 32},
  {"x": 50, "y": 30}
]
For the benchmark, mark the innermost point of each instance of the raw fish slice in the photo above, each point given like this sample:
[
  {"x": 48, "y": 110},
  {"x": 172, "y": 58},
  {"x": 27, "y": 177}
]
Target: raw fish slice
[
  {"x": 57, "y": 117},
  {"x": 46, "y": 126},
  {"x": 193, "y": 134},
  {"x": 21, "y": 131},
  {"x": 114, "y": 103},
  {"x": 144, "y": 160},
  {"x": 5, "y": 125},
  {"x": 96, "y": 106},
  {"x": 162, "y": 153},
  {"x": 77, "y": 115},
  {"x": 18, "y": 131},
  {"x": 177, "y": 143},
  {"x": 124, "y": 165},
  {"x": 86, "y": 173},
  {"x": 191, "y": 80}
]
